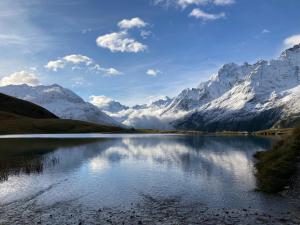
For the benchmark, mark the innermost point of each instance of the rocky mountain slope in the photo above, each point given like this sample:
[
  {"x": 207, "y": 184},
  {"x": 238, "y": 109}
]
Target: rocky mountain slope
[
  {"x": 246, "y": 97},
  {"x": 60, "y": 101}
]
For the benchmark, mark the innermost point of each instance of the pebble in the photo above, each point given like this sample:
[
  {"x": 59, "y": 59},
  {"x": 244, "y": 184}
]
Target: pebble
[{"x": 163, "y": 212}]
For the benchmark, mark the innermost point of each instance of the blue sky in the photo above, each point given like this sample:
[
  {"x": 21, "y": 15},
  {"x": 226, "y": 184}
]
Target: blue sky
[{"x": 171, "y": 45}]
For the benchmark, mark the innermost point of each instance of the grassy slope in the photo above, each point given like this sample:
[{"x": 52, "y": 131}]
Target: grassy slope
[
  {"x": 25, "y": 125},
  {"x": 276, "y": 167},
  {"x": 23, "y": 108},
  {"x": 22, "y": 117}
]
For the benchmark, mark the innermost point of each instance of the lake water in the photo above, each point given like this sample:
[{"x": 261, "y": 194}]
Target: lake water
[{"x": 119, "y": 171}]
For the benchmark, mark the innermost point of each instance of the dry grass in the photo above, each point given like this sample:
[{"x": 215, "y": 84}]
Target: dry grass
[{"x": 276, "y": 167}]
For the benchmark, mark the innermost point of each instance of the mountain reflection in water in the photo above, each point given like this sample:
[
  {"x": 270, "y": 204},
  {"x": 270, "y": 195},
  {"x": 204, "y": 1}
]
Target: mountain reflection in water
[{"x": 116, "y": 171}]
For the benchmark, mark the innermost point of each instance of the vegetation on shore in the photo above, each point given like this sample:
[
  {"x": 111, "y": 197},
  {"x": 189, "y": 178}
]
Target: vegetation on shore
[
  {"x": 276, "y": 167},
  {"x": 274, "y": 131}
]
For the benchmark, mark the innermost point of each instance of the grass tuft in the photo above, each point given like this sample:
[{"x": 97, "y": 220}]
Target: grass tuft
[{"x": 276, "y": 167}]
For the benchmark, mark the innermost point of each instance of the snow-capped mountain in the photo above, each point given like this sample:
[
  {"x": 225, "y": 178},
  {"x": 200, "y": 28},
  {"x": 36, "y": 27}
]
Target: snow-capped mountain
[
  {"x": 239, "y": 97},
  {"x": 247, "y": 97},
  {"x": 60, "y": 101},
  {"x": 227, "y": 77},
  {"x": 112, "y": 107},
  {"x": 161, "y": 103},
  {"x": 142, "y": 116}
]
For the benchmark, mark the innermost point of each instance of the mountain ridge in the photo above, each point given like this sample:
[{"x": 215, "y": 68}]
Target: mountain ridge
[
  {"x": 246, "y": 97},
  {"x": 265, "y": 92},
  {"x": 60, "y": 101}
]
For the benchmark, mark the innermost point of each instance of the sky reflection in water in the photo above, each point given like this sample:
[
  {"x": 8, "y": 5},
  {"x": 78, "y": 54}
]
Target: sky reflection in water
[{"x": 217, "y": 171}]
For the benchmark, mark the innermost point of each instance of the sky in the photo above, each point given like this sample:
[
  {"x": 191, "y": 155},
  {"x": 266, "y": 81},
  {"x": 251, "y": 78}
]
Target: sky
[{"x": 135, "y": 51}]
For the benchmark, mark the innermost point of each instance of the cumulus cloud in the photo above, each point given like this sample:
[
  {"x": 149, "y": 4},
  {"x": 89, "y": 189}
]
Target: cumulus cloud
[
  {"x": 132, "y": 23},
  {"x": 120, "y": 42},
  {"x": 200, "y": 14},
  {"x": 292, "y": 40},
  {"x": 100, "y": 101},
  {"x": 21, "y": 77},
  {"x": 112, "y": 72},
  {"x": 75, "y": 60},
  {"x": 153, "y": 72},
  {"x": 55, "y": 65}
]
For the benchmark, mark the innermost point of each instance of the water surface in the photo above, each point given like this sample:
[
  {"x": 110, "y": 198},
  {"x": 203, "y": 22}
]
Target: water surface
[{"x": 117, "y": 171}]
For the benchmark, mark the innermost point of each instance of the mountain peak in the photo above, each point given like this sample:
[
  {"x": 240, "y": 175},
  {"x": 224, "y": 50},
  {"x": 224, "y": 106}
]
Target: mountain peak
[
  {"x": 292, "y": 54},
  {"x": 60, "y": 101}
]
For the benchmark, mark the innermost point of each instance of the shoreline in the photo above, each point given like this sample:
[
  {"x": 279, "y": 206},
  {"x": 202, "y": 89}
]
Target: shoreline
[
  {"x": 263, "y": 133},
  {"x": 151, "y": 210}
]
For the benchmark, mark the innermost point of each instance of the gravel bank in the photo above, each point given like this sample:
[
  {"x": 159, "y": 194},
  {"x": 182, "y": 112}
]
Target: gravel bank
[{"x": 151, "y": 211}]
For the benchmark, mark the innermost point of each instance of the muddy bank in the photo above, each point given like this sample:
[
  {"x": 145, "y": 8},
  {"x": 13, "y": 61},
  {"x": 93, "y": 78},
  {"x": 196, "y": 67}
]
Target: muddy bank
[{"x": 150, "y": 211}]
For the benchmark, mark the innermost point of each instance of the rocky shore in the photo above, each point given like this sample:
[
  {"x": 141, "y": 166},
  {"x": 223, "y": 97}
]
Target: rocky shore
[{"x": 152, "y": 210}]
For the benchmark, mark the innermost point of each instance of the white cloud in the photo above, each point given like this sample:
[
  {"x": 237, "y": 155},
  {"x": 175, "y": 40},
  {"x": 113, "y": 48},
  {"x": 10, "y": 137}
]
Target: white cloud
[
  {"x": 149, "y": 117},
  {"x": 100, "y": 101},
  {"x": 113, "y": 72},
  {"x": 182, "y": 3},
  {"x": 21, "y": 77},
  {"x": 223, "y": 2},
  {"x": 292, "y": 40},
  {"x": 200, "y": 14},
  {"x": 108, "y": 71},
  {"x": 76, "y": 60},
  {"x": 153, "y": 72},
  {"x": 55, "y": 65},
  {"x": 186, "y": 3},
  {"x": 120, "y": 42},
  {"x": 132, "y": 23}
]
